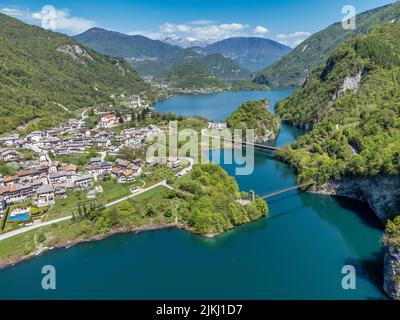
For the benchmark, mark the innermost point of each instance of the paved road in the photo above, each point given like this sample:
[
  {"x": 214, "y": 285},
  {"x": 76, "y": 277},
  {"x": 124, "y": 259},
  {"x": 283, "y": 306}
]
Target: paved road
[
  {"x": 160, "y": 184},
  {"x": 35, "y": 226},
  {"x": 43, "y": 224}
]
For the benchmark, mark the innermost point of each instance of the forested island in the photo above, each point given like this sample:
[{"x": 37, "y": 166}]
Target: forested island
[{"x": 255, "y": 115}]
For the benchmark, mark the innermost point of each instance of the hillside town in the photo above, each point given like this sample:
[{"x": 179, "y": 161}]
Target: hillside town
[{"x": 42, "y": 179}]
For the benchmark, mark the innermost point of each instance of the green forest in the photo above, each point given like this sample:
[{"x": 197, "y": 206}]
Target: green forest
[
  {"x": 255, "y": 115},
  {"x": 354, "y": 132},
  {"x": 39, "y": 70},
  {"x": 292, "y": 70}
]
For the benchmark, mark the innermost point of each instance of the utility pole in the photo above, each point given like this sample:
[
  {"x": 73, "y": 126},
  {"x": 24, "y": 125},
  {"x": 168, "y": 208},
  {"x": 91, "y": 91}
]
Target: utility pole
[{"x": 253, "y": 196}]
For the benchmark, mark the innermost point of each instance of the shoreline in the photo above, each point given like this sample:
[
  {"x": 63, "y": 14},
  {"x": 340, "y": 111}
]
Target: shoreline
[
  {"x": 120, "y": 231},
  {"x": 69, "y": 244}
]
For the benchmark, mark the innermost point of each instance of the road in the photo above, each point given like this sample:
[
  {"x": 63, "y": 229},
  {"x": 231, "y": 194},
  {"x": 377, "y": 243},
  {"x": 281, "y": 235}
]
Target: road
[
  {"x": 83, "y": 116},
  {"x": 32, "y": 227},
  {"x": 160, "y": 184},
  {"x": 43, "y": 224},
  {"x": 47, "y": 223},
  {"x": 188, "y": 169}
]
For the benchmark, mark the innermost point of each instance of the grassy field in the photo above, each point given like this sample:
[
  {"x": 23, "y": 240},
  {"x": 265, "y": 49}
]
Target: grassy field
[
  {"x": 112, "y": 190},
  {"x": 158, "y": 173},
  {"x": 63, "y": 232},
  {"x": 64, "y": 207}
]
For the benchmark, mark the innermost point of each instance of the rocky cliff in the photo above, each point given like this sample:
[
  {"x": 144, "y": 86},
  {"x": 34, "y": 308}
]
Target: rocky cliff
[
  {"x": 382, "y": 193},
  {"x": 392, "y": 272}
]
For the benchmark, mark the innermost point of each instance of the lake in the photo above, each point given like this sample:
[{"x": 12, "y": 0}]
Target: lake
[{"x": 296, "y": 253}]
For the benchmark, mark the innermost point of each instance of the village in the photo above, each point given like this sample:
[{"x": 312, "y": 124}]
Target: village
[{"x": 43, "y": 175}]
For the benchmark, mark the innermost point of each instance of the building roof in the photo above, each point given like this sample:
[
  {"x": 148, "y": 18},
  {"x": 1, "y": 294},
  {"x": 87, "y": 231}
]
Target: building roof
[{"x": 45, "y": 189}]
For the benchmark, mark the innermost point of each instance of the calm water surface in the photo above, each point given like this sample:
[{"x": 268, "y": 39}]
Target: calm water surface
[{"x": 297, "y": 253}]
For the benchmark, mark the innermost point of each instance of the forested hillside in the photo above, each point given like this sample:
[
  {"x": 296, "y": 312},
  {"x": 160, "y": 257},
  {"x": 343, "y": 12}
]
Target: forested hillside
[
  {"x": 293, "y": 69},
  {"x": 198, "y": 78},
  {"x": 256, "y": 116},
  {"x": 353, "y": 105},
  {"x": 40, "y": 69}
]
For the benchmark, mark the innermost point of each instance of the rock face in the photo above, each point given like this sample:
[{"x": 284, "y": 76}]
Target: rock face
[
  {"x": 382, "y": 194},
  {"x": 75, "y": 52},
  {"x": 392, "y": 272},
  {"x": 349, "y": 84}
]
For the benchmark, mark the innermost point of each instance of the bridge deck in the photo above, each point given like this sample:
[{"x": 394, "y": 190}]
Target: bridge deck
[
  {"x": 273, "y": 194},
  {"x": 255, "y": 145}
]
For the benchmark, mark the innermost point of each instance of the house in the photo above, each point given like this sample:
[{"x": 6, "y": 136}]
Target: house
[
  {"x": 173, "y": 163},
  {"x": 34, "y": 137},
  {"x": 108, "y": 121},
  {"x": 45, "y": 196},
  {"x": 10, "y": 140},
  {"x": 18, "y": 193},
  {"x": 70, "y": 168},
  {"x": 151, "y": 162},
  {"x": 2, "y": 205},
  {"x": 7, "y": 154},
  {"x": 83, "y": 182},
  {"x": 29, "y": 175},
  {"x": 62, "y": 177},
  {"x": 134, "y": 143},
  {"x": 60, "y": 191},
  {"x": 102, "y": 142},
  {"x": 123, "y": 175},
  {"x": 122, "y": 163},
  {"x": 99, "y": 168},
  {"x": 217, "y": 125},
  {"x": 10, "y": 180}
]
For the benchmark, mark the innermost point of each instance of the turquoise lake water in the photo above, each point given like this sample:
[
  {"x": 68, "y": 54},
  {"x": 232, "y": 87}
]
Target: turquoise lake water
[{"x": 296, "y": 253}]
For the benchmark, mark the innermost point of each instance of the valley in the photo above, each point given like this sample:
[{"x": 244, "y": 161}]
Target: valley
[{"x": 108, "y": 154}]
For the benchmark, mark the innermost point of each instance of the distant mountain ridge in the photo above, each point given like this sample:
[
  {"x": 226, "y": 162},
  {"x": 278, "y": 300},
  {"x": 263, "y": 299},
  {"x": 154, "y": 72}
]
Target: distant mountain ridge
[
  {"x": 252, "y": 53},
  {"x": 293, "y": 68},
  {"x": 152, "y": 58}
]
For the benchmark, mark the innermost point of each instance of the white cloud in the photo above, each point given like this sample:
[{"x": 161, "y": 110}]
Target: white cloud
[
  {"x": 64, "y": 22},
  {"x": 201, "y": 22},
  {"x": 297, "y": 42},
  {"x": 293, "y": 39},
  {"x": 203, "y": 30},
  {"x": 293, "y": 35},
  {"x": 261, "y": 31},
  {"x": 233, "y": 26},
  {"x": 145, "y": 33},
  {"x": 13, "y": 12}
]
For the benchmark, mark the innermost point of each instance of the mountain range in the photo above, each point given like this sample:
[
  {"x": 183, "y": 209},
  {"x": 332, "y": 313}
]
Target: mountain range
[
  {"x": 229, "y": 60},
  {"x": 293, "y": 69},
  {"x": 252, "y": 53}
]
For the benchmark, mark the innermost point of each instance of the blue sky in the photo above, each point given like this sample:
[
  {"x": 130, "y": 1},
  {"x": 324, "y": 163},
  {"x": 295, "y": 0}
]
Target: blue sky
[{"x": 288, "y": 21}]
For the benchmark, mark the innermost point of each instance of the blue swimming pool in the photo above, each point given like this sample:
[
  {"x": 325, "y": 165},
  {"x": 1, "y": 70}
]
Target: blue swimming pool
[{"x": 20, "y": 217}]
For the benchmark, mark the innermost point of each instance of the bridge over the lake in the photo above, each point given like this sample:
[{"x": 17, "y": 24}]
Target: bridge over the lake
[
  {"x": 251, "y": 144},
  {"x": 282, "y": 191}
]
